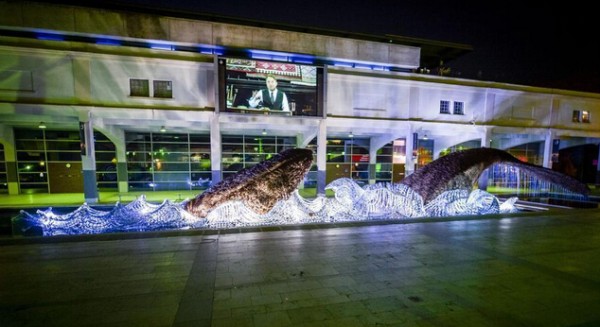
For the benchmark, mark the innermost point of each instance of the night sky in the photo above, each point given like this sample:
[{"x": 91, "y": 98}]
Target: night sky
[{"x": 554, "y": 46}]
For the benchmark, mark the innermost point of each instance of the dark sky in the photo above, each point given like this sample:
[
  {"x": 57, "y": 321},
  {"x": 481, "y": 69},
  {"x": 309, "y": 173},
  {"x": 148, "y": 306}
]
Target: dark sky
[{"x": 553, "y": 46}]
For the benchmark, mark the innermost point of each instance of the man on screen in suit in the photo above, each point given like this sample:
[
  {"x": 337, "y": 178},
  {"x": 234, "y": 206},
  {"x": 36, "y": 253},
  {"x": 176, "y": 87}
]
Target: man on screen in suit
[{"x": 270, "y": 98}]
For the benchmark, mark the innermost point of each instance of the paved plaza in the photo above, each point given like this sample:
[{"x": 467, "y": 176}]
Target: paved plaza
[{"x": 528, "y": 269}]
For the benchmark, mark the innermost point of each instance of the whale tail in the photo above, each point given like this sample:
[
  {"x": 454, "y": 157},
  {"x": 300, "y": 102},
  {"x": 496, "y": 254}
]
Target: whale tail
[{"x": 462, "y": 170}]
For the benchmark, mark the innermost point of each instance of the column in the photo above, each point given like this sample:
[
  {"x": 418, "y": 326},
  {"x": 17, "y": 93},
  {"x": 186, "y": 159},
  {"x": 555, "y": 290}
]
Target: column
[
  {"x": 486, "y": 138},
  {"x": 121, "y": 149},
  {"x": 215, "y": 149},
  {"x": 88, "y": 158},
  {"x": 322, "y": 157},
  {"x": 548, "y": 148},
  {"x": 409, "y": 166},
  {"x": 7, "y": 136},
  {"x": 376, "y": 143},
  {"x": 300, "y": 145},
  {"x": 372, "y": 163},
  {"x": 598, "y": 169}
]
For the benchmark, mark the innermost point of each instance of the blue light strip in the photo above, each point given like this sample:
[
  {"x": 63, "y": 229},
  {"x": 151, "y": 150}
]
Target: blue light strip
[
  {"x": 381, "y": 68},
  {"x": 343, "y": 64},
  {"x": 261, "y": 56},
  {"x": 304, "y": 61},
  {"x": 158, "y": 46},
  {"x": 280, "y": 58},
  {"x": 108, "y": 42},
  {"x": 363, "y": 66},
  {"x": 49, "y": 37},
  {"x": 214, "y": 50}
]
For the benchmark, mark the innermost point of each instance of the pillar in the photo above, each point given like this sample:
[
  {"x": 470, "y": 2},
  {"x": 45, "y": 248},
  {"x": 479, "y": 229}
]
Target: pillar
[
  {"x": 322, "y": 157},
  {"x": 88, "y": 158},
  {"x": 409, "y": 166},
  {"x": 372, "y": 163},
  {"x": 548, "y": 141},
  {"x": 7, "y": 136},
  {"x": 215, "y": 149},
  {"x": 119, "y": 141},
  {"x": 486, "y": 138}
]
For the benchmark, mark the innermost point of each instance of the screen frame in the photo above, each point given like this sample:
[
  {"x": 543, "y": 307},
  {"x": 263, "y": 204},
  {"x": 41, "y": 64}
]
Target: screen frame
[{"x": 309, "y": 100}]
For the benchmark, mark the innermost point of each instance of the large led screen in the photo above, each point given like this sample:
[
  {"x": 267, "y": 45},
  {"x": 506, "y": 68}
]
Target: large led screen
[{"x": 250, "y": 86}]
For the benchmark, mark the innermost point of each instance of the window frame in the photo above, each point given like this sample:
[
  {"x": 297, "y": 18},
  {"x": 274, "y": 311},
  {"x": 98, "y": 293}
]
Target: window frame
[
  {"x": 458, "y": 108},
  {"x": 162, "y": 89},
  {"x": 139, "y": 90},
  {"x": 445, "y": 107}
]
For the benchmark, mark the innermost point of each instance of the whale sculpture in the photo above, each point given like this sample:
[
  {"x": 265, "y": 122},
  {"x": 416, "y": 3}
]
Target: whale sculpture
[
  {"x": 461, "y": 170},
  {"x": 266, "y": 195},
  {"x": 258, "y": 187},
  {"x": 261, "y": 186}
]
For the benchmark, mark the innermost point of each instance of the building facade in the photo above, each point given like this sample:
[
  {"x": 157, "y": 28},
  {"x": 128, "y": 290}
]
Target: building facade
[{"x": 98, "y": 99}]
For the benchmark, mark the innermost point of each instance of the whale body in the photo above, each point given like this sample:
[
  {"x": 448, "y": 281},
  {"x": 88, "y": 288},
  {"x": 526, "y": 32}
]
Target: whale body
[{"x": 258, "y": 187}]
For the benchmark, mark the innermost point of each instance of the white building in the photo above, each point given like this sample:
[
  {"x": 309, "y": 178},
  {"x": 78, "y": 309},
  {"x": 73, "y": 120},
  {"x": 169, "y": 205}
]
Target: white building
[{"x": 150, "y": 90}]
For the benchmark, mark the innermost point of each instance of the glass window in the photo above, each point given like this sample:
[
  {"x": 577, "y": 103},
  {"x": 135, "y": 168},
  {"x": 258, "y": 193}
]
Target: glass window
[
  {"x": 384, "y": 155},
  {"x": 30, "y": 144},
  {"x": 444, "y": 107},
  {"x": 63, "y": 145},
  {"x": 30, "y": 156},
  {"x": 139, "y": 177},
  {"x": 170, "y": 138},
  {"x": 232, "y": 148},
  {"x": 172, "y": 157},
  {"x": 585, "y": 116},
  {"x": 163, "y": 89},
  {"x": 245, "y": 151},
  {"x": 170, "y": 147},
  {"x": 100, "y": 146},
  {"x": 106, "y": 167},
  {"x": 226, "y": 139},
  {"x": 581, "y": 116},
  {"x": 171, "y": 166},
  {"x": 62, "y": 136},
  {"x": 201, "y": 165},
  {"x": 140, "y": 186},
  {"x": 138, "y": 147},
  {"x": 459, "y": 108},
  {"x": 138, "y": 137},
  {"x": 2, "y": 165},
  {"x": 354, "y": 153},
  {"x": 36, "y": 149},
  {"x": 138, "y": 166},
  {"x": 64, "y": 156},
  {"x": 576, "y": 116},
  {"x": 107, "y": 177},
  {"x": 195, "y": 138},
  {"x": 29, "y": 134},
  {"x": 138, "y": 156},
  {"x": 166, "y": 162},
  {"x": 200, "y": 148},
  {"x": 139, "y": 88},
  {"x": 105, "y": 156},
  {"x": 39, "y": 178}
]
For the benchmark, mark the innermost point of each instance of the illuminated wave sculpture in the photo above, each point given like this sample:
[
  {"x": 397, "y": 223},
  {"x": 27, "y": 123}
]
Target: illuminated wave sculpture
[
  {"x": 266, "y": 194},
  {"x": 351, "y": 202}
]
